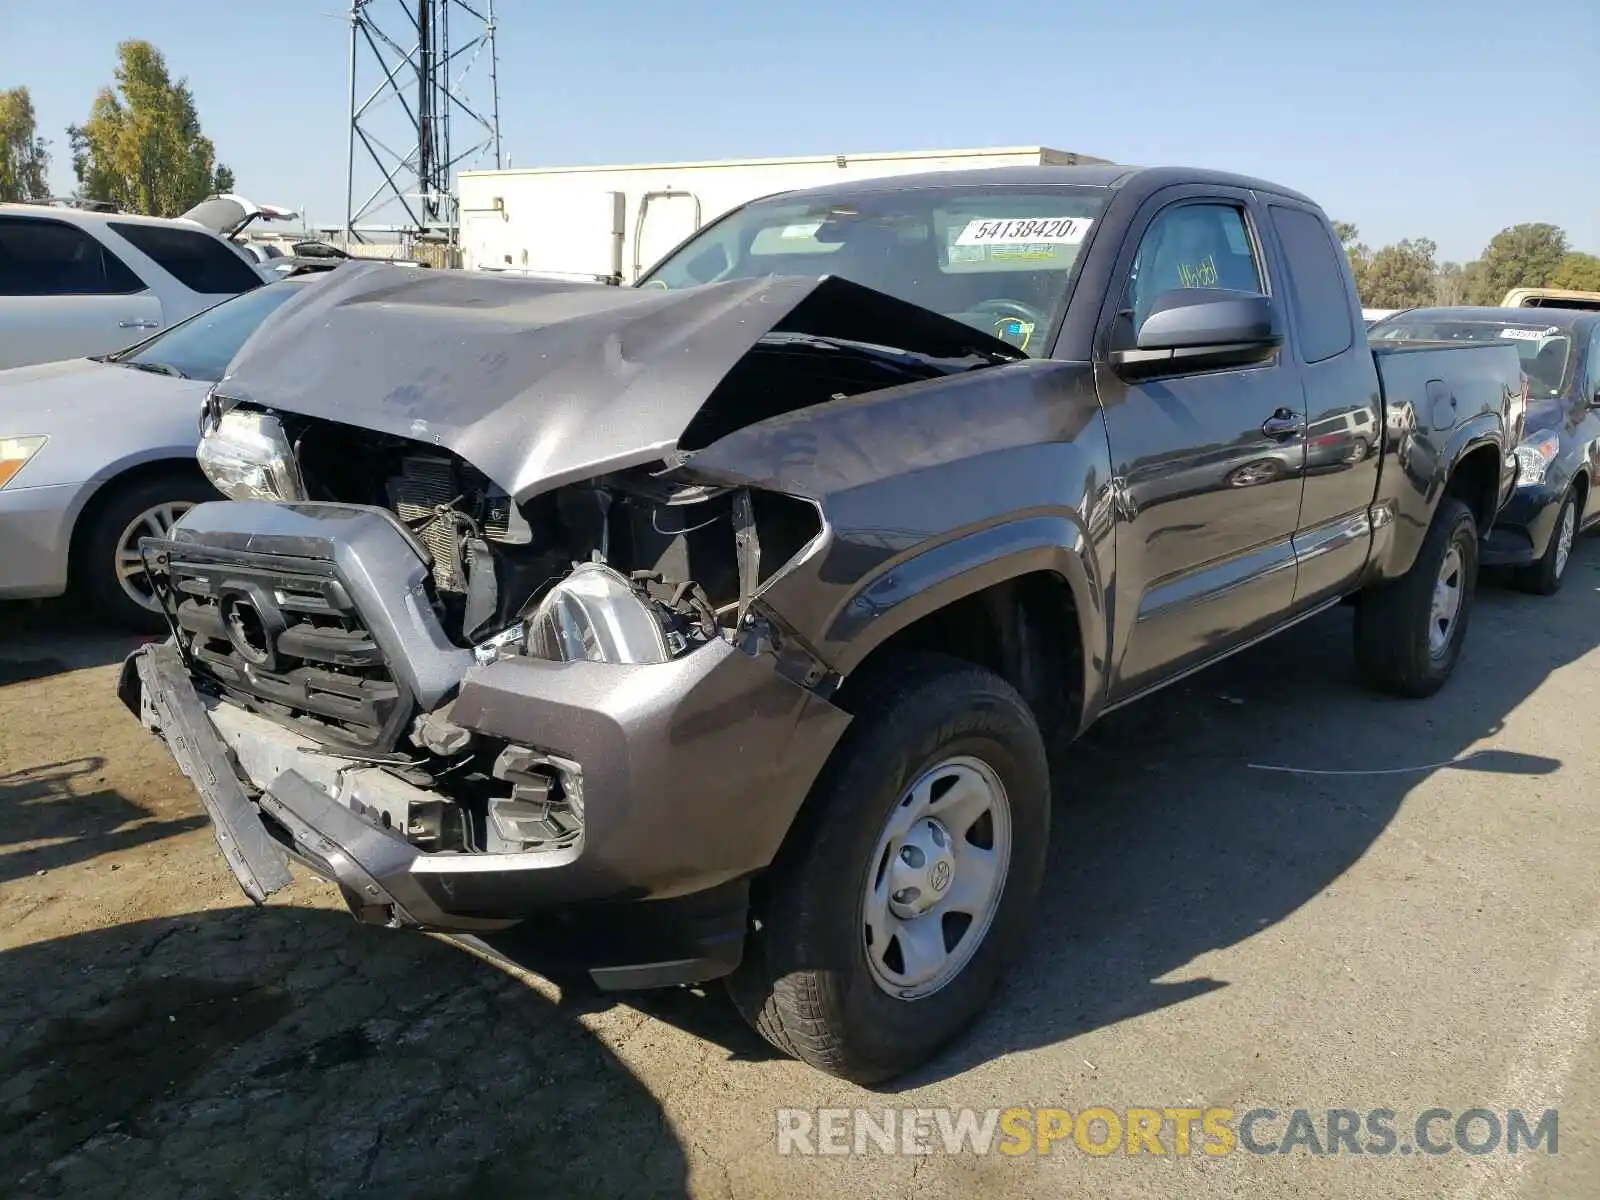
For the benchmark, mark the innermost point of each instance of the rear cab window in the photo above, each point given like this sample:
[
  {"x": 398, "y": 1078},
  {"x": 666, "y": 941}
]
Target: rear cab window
[
  {"x": 1317, "y": 292},
  {"x": 43, "y": 257},
  {"x": 197, "y": 260}
]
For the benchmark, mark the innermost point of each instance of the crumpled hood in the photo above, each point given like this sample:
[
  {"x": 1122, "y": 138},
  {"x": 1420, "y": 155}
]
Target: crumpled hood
[{"x": 539, "y": 383}]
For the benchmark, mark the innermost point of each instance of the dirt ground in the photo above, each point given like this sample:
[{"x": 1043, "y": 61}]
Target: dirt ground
[{"x": 1371, "y": 929}]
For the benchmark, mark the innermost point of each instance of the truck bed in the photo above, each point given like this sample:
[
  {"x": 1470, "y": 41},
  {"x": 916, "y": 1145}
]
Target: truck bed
[
  {"x": 1445, "y": 384},
  {"x": 1440, "y": 403}
]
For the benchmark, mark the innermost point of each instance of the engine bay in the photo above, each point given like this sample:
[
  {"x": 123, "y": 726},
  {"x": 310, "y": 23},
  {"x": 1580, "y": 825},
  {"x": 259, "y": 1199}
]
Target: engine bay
[{"x": 675, "y": 540}]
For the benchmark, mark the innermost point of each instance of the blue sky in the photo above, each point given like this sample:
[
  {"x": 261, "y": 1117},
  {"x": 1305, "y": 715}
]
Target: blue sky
[{"x": 1408, "y": 117}]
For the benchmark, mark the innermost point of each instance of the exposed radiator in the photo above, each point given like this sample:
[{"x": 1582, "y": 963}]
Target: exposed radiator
[{"x": 426, "y": 483}]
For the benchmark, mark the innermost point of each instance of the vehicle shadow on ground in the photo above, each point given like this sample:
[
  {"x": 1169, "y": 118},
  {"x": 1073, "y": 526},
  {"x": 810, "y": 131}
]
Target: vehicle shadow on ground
[
  {"x": 40, "y": 640},
  {"x": 1177, "y": 831},
  {"x": 287, "y": 1052},
  {"x": 44, "y": 804},
  {"x": 1172, "y": 836}
]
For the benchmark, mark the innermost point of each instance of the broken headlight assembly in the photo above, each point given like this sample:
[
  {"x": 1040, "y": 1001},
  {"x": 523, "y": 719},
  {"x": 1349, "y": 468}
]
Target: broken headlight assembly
[
  {"x": 247, "y": 456},
  {"x": 1534, "y": 457},
  {"x": 597, "y": 614}
]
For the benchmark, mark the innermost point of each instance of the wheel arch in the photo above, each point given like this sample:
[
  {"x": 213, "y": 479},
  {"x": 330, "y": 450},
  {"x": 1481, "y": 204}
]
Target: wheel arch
[
  {"x": 1021, "y": 598},
  {"x": 1474, "y": 478},
  {"x": 130, "y": 471}
]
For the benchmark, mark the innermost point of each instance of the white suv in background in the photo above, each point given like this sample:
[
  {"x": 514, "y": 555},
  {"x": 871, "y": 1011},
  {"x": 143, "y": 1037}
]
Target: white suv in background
[{"x": 75, "y": 282}]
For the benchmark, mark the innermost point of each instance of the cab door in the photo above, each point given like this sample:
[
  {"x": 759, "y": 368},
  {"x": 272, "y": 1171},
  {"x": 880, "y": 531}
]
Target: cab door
[
  {"x": 1208, "y": 464},
  {"x": 1344, "y": 409}
]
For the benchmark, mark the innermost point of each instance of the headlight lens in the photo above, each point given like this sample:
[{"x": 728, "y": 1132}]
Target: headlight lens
[
  {"x": 1534, "y": 457},
  {"x": 247, "y": 456},
  {"x": 15, "y": 453},
  {"x": 595, "y": 614}
]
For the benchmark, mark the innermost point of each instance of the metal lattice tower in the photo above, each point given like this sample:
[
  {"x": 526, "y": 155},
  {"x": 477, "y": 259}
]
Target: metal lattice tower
[{"x": 411, "y": 63}]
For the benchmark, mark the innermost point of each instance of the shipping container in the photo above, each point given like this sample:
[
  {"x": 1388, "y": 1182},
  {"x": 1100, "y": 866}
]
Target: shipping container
[{"x": 611, "y": 224}]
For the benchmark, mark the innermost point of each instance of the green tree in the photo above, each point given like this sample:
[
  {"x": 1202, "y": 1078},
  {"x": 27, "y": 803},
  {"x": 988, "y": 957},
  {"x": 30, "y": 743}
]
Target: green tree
[
  {"x": 1401, "y": 275},
  {"x": 1357, "y": 252},
  {"x": 141, "y": 147},
  {"x": 1472, "y": 282},
  {"x": 1578, "y": 272},
  {"x": 24, "y": 155},
  {"x": 1525, "y": 255},
  {"x": 1449, "y": 284}
]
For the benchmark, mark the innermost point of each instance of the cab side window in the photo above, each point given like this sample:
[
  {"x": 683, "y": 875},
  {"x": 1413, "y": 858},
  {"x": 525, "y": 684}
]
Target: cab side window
[{"x": 1205, "y": 245}]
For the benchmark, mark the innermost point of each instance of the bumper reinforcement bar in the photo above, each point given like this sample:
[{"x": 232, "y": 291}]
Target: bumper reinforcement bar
[{"x": 168, "y": 704}]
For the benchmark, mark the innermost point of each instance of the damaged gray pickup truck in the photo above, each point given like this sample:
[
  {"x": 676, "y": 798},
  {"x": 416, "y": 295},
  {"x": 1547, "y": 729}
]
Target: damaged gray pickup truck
[{"x": 732, "y": 613}]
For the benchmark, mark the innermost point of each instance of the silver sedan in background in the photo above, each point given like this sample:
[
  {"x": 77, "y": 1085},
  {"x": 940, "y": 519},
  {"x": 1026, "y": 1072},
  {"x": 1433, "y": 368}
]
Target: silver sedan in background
[{"x": 96, "y": 453}]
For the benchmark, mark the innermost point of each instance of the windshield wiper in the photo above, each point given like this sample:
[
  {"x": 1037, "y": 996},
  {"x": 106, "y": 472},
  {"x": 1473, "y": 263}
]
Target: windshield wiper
[{"x": 153, "y": 367}]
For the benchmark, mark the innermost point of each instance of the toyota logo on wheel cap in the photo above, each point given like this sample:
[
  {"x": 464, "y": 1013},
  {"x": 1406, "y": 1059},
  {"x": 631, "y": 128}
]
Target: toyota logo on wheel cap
[{"x": 939, "y": 876}]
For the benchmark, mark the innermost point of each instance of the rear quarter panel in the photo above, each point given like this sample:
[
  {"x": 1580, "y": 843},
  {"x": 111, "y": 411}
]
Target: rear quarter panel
[{"x": 1441, "y": 403}]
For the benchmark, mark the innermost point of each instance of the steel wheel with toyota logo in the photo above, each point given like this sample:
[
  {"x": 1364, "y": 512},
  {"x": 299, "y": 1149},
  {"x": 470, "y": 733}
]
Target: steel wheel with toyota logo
[{"x": 882, "y": 937}]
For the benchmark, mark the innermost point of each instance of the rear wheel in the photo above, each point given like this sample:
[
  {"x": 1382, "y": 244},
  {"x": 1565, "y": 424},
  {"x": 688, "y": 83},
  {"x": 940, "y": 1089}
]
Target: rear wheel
[
  {"x": 107, "y": 567},
  {"x": 1544, "y": 577},
  {"x": 883, "y": 933},
  {"x": 1409, "y": 632}
]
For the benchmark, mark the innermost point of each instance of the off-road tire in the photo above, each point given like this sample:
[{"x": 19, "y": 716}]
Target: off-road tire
[
  {"x": 804, "y": 982},
  {"x": 1392, "y": 619},
  {"x": 1542, "y": 578},
  {"x": 93, "y": 567}
]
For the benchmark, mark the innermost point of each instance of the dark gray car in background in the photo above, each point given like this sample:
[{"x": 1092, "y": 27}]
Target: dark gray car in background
[
  {"x": 1559, "y": 455},
  {"x": 740, "y": 607}
]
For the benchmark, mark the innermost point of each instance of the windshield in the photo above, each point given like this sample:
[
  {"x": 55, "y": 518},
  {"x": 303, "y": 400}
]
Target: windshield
[
  {"x": 202, "y": 346},
  {"x": 1545, "y": 349},
  {"x": 998, "y": 259}
]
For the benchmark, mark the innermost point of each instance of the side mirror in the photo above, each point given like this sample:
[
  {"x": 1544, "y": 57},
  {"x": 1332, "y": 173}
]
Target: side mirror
[{"x": 1194, "y": 328}]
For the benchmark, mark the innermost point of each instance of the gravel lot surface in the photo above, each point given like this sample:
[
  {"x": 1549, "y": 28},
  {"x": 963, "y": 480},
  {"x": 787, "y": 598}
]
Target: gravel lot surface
[{"x": 1406, "y": 919}]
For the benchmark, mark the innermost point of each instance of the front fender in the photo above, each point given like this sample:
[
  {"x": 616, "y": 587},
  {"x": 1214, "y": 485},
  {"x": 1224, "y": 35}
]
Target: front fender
[{"x": 939, "y": 575}]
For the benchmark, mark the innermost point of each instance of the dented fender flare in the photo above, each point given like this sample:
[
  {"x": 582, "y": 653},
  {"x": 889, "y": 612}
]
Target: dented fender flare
[{"x": 952, "y": 570}]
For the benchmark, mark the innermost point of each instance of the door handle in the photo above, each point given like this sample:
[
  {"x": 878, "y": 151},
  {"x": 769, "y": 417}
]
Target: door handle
[
  {"x": 139, "y": 324},
  {"x": 1282, "y": 425}
]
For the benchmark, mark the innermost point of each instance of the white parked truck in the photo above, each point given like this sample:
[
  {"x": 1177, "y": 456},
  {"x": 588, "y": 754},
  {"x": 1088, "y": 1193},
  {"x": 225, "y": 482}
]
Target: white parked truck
[{"x": 611, "y": 224}]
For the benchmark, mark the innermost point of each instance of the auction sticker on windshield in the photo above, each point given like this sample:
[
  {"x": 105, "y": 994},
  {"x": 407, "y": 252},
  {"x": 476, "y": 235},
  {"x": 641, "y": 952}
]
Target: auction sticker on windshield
[
  {"x": 1528, "y": 335},
  {"x": 1026, "y": 231}
]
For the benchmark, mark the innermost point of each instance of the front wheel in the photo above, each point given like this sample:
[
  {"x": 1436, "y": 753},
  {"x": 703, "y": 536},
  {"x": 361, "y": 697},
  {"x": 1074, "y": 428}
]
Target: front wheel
[
  {"x": 1409, "y": 632},
  {"x": 1544, "y": 577},
  {"x": 883, "y": 933}
]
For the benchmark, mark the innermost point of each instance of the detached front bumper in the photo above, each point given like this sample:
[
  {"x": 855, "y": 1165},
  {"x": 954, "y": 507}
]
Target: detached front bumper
[{"x": 692, "y": 770}]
